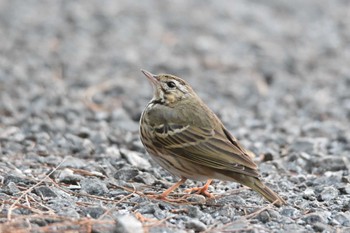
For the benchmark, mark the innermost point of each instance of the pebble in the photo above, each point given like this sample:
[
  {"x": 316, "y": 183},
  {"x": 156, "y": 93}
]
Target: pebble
[
  {"x": 329, "y": 193},
  {"x": 67, "y": 176},
  {"x": 314, "y": 218},
  {"x": 145, "y": 178},
  {"x": 126, "y": 174},
  {"x": 264, "y": 217},
  {"x": 94, "y": 212},
  {"x": 93, "y": 186},
  {"x": 73, "y": 162},
  {"x": 135, "y": 159},
  {"x": 343, "y": 219},
  {"x": 128, "y": 224},
  {"x": 196, "y": 198},
  {"x": 45, "y": 191},
  {"x": 12, "y": 189},
  {"x": 196, "y": 225}
]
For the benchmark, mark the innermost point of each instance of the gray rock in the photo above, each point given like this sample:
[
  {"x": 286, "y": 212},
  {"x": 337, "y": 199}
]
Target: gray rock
[
  {"x": 94, "y": 212},
  {"x": 74, "y": 162},
  {"x": 128, "y": 224},
  {"x": 264, "y": 217},
  {"x": 103, "y": 227},
  {"x": 99, "y": 138},
  {"x": 17, "y": 180},
  {"x": 164, "y": 229},
  {"x": 329, "y": 163},
  {"x": 67, "y": 176},
  {"x": 145, "y": 178},
  {"x": 345, "y": 189},
  {"x": 135, "y": 159},
  {"x": 196, "y": 225},
  {"x": 343, "y": 219},
  {"x": 322, "y": 227},
  {"x": 93, "y": 186},
  {"x": 45, "y": 191},
  {"x": 309, "y": 194},
  {"x": 313, "y": 218},
  {"x": 196, "y": 198},
  {"x": 289, "y": 212},
  {"x": 126, "y": 174},
  {"x": 113, "y": 152},
  {"x": 238, "y": 225},
  {"x": 194, "y": 212},
  {"x": 310, "y": 145},
  {"x": 64, "y": 207},
  {"x": 12, "y": 189},
  {"x": 329, "y": 193}
]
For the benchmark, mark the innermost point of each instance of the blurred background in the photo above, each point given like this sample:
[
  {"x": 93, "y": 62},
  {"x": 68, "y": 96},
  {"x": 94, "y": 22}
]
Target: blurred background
[{"x": 301, "y": 47}]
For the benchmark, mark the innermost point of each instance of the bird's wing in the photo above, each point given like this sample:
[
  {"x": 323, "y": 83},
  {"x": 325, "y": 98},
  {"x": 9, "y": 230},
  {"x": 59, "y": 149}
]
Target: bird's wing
[{"x": 214, "y": 148}]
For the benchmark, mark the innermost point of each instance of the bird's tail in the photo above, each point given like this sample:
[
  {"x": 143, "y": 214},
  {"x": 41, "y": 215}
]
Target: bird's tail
[{"x": 255, "y": 184}]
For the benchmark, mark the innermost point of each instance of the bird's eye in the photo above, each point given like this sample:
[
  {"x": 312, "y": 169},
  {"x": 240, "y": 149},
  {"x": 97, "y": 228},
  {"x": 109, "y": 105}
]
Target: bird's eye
[{"x": 171, "y": 84}]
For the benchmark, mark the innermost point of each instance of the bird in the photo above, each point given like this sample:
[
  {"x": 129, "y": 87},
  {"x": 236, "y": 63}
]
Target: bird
[{"x": 185, "y": 137}]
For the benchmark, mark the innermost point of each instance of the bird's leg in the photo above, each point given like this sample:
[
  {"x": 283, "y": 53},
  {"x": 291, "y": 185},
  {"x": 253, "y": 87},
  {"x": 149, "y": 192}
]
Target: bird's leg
[
  {"x": 172, "y": 188},
  {"x": 164, "y": 195},
  {"x": 202, "y": 190}
]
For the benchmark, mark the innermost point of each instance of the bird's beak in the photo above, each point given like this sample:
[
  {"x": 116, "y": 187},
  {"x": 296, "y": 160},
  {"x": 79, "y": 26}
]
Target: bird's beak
[{"x": 151, "y": 77}]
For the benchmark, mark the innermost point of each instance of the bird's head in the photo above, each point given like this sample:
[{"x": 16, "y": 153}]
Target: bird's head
[{"x": 169, "y": 89}]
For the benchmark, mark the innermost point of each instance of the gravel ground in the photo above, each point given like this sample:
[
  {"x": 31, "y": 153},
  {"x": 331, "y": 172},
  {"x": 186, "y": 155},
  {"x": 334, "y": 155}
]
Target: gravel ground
[{"x": 71, "y": 93}]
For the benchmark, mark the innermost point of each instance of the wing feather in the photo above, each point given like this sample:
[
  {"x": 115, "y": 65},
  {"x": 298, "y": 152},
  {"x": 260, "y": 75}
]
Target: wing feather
[{"x": 208, "y": 147}]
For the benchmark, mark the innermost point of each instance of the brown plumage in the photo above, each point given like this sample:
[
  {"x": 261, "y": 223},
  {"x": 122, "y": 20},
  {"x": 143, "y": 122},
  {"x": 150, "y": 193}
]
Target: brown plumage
[{"x": 187, "y": 139}]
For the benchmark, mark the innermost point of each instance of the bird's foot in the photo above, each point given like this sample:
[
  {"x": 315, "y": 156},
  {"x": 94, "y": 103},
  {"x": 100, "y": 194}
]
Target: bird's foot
[{"x": 200, "y": 190}]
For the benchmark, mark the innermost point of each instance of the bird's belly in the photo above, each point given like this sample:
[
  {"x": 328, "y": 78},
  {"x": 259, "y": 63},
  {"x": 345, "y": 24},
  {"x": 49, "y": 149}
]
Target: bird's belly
[{"x": 183, "y": 168}]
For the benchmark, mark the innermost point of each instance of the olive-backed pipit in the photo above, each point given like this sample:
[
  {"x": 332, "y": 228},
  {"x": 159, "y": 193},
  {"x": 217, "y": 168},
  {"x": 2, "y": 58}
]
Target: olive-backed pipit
[{"x": 186, "y": 138}]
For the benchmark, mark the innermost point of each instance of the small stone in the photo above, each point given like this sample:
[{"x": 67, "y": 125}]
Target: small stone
[
  {"x": 314, "y": 217},
  {"x": 113, "y": 152},
  {"x": 303, "y": 145},
  {"x": 12, "y": 188},
  {"x": 45, "y": 191},
  {"x": 196, "y": 198},
  {"x": 264, "y": 217},
  {"x": 17, "y": 180},
  {"x": 126, "y": 174},
  {"x": 103, "y": 227},
  {"x": 289, "y": 212},
  {"x": 84, "y": 133},
  {"x": 99, "y": 138},
  {"x": 329, "y": 193},
  {"x": 135, "y": 159},
  {"x": 238, "y": 225},
  {"x": 128, "y": 224},
  {"x": 343, "y": 219},
  {"x": 309, "y": 194},
  {"x": 93, "y": 186},
  {"x": 321, "y": 227},
  {"x": 329, "y": 163},
  {"x": 194, "y": 212},
  {"x": 145, "y": 178},
  {"x": 274, "y": 214},
  {"x": 345, "y": 189},
  {"x": 196, "y": 225},
  {"x": 73, "y": 162},
  {"x": 148, "y": 208},
  {"x": 67, "y": 176},
  {"x": 74, "y": 142},
  {"x": 310, "y": 145},
  {"x": 94, "y": 212},
  {"x": 87, "y": 149}
]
